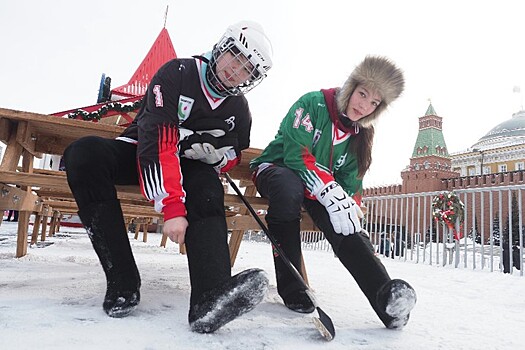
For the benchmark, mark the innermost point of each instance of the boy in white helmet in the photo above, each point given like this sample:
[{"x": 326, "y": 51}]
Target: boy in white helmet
[{"x": 193, "y": 124}]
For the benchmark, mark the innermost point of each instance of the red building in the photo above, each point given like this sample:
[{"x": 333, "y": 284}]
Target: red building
[{"x": 500, "y": 155}]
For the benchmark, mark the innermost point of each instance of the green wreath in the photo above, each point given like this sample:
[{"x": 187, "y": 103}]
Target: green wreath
[
  {"x": 112, "y": 106},
  {"x": 448, "y": 208}
]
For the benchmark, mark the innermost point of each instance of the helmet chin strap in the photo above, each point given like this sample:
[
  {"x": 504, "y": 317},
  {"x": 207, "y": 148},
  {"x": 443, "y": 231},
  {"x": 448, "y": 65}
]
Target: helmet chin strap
[{"x": 204, "y": 76}]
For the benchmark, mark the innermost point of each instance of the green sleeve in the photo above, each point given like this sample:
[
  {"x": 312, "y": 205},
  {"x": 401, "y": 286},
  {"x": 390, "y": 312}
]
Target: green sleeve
[{"x": 297, "y": 130}]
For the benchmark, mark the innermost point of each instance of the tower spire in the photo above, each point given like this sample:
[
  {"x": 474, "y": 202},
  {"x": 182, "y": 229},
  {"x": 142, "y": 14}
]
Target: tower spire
[{"x": 166, "y": 16}]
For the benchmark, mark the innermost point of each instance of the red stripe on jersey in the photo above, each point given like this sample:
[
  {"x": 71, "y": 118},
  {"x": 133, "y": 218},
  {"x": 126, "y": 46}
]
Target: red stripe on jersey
[
  {"x": 310, "y": 164},
  {"x": 173, "y": 204},
  {"x": 358, "y": 197}
]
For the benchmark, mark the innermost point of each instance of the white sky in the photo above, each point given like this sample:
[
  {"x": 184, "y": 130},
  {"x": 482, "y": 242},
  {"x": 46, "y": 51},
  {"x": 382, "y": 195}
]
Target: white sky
[
  {"x": 465, "y": 56},
  {"x": 52, "y": 299}
]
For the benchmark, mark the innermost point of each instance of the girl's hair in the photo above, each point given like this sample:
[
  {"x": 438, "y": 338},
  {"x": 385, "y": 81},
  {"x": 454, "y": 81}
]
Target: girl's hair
[{"x": 361, "y": 147}]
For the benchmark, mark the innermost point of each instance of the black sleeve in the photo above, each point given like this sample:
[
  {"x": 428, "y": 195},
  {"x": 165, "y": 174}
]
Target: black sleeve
[{"x": 158, "y": 163}]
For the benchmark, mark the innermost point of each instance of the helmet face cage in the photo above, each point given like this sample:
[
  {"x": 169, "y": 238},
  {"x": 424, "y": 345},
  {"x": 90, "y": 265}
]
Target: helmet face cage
[{"x": 225, "y": 45}]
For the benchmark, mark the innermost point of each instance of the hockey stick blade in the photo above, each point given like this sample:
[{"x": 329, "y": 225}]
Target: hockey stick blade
[{"x": 323, "y": 323}]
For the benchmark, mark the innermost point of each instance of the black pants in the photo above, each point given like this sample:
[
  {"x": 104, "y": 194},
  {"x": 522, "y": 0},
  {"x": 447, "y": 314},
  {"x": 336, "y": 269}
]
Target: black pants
[
  {"x": 95, "y": 165},
  {"x": 285, "y": 193}
]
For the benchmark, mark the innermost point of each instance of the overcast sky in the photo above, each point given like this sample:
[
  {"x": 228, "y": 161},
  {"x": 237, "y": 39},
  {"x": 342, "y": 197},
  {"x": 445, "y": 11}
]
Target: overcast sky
[{"x": 465, "y": 56}]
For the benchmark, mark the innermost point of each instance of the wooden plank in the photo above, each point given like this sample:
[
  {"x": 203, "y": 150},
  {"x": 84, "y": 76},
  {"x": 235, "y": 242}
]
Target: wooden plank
[
  {"x": 57, "y": 183},
  {"x": 242, "y": 171},
  {"x": 52, "y": 144},
  {"x": 37, "y": 180},
  {"x": 12, "y": 154},
  {"x": 12, "y": 198},
  {"x": 66, "y": 127},
  {"x": 247, "y": 222},
  {"x": 27, "y": 137},
  {"x": 128, "y": 210},
  {"x": 6, "y": 128},
  {"x": 256, "y": 202},
  {"x": 53, "y": 134}
]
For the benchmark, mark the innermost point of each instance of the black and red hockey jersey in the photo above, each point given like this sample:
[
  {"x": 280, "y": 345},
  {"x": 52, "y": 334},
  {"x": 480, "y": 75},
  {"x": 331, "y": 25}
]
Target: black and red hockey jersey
[{"x": 177, "y": 97}]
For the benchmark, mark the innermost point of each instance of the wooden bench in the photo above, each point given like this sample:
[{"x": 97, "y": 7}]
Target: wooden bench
[
  {"x": 52, "y": 198},
  {"x": 46, "y": 193}
]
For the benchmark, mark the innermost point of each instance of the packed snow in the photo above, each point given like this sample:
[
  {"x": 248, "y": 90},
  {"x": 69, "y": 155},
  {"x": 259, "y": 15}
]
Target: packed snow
[{"x": 52, "y": 299}]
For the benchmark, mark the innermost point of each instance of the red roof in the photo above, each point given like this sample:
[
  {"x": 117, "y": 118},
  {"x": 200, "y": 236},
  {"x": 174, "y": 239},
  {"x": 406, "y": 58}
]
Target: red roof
[{"x": 161, "y": 52}]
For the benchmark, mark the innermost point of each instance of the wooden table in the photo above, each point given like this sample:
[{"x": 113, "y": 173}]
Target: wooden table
[{"x": 28, "y": 135}]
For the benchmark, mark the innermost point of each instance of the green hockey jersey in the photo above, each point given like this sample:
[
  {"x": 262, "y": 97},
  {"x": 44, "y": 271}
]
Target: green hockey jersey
[{"x": 309, "y": 143}]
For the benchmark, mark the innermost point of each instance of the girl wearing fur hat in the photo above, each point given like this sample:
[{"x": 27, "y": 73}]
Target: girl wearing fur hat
[{"x": 317, "y": 160}]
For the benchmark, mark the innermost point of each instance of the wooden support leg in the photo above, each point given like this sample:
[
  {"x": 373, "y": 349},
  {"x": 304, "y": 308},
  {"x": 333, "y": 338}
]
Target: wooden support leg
[
  {"x": 36, "y": 227},
  {"x": 237, "y": 235},
  {"x": 137, "y": 229},
  {"x": 45, "y": 215},
  {"x": 53, "y": 225},
  {"x": 59, "y": 221},
  {"x": 235, "y": 244},
  {"x": 23, "y": 217},
  {"x": 303, "y": 271},
  {"x": 127, "y": 222},
  {"x": 164, "y": 240},
  {"x": 145, "y": 226},
  {"x": 23, "y": 223}
]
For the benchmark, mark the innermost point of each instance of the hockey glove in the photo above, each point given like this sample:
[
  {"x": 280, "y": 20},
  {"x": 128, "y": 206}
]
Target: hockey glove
[
  {"x": 342, "y": 208},
  {"x": 208, "y": 149}
]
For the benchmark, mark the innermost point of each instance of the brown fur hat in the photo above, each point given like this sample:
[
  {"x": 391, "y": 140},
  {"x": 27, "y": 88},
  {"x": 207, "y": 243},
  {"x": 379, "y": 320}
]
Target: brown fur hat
[{"x": 374, "y": 73}]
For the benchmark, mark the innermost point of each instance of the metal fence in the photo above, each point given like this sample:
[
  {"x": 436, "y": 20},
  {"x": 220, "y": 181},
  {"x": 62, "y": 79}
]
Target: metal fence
[{"x": 491, "y": 236}]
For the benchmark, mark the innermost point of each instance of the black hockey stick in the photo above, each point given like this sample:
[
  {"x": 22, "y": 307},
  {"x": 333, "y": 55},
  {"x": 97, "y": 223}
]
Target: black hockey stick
[{"x": 323, "y": 323}]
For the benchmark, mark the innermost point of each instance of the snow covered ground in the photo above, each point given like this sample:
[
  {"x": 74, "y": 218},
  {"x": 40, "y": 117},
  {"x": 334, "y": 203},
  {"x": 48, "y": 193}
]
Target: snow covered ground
[{"x": 51, "y": 299}]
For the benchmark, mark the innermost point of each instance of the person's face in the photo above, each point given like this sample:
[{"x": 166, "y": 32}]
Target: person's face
[
  {"x": 362, "y": 103},
  {"x": 233, "y": 70}
]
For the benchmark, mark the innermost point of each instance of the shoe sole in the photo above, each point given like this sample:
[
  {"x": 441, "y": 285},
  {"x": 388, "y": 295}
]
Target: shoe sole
[
  {"x": 124, "y": 307},
  {"x": 402, "y": 300},
  {"x": 240, "y": 295}
]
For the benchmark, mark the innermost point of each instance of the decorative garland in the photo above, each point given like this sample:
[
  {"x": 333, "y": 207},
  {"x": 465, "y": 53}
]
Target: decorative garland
[
  {"x": 448, "y": 208},
  {"x": 112, "y": 106}
]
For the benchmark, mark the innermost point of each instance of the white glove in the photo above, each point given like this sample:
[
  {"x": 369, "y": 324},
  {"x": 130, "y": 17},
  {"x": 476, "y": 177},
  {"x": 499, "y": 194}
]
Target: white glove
[
  {"x": 209, "y": 143},
  {"x": 343, "y": 210},
  {"x": 207, "y": 153}
]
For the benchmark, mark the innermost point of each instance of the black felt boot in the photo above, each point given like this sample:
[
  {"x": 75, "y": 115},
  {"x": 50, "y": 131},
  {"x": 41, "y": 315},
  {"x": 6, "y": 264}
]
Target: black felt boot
[
  {"x": 216, "y": 297},
  {"x": 104, "y": 223},
  {"x": 392, "y": 300},
  {"x": 291, "y": 290},
  {"x": 395, "y": 300},
  {"x": 227, "y": 301}
]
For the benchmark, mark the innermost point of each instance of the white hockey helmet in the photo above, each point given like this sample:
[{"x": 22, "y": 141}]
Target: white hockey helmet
[{"x": 248, "y": 39}]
